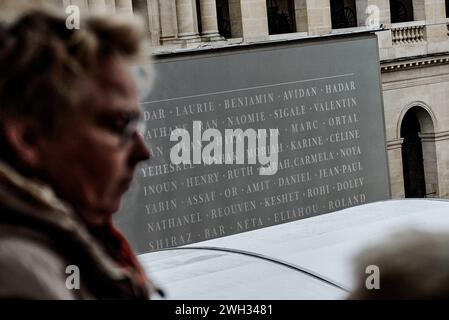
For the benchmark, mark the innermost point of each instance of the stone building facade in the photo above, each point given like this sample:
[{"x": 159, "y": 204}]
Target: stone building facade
[{"x": 413, "y": 49}]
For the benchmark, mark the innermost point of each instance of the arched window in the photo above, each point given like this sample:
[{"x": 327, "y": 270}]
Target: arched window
[
  {"x": 447, "y": 8},
  {"x": 281, "y": 16},
  {"x": 401, "y": 10},
  {"x": 419, "y": 154},
  {"x": 343, "y": 14}
]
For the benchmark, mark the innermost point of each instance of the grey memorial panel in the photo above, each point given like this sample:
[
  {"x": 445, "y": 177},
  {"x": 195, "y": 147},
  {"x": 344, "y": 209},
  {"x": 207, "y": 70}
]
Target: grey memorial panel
[{"x": 324, "y": 98}]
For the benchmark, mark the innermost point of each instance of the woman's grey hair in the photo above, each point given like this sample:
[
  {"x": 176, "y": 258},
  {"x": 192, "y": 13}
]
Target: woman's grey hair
[{"x": 45, "y": 66}]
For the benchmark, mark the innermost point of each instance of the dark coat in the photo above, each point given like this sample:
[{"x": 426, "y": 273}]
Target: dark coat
[{"x": 42, "y": 239}]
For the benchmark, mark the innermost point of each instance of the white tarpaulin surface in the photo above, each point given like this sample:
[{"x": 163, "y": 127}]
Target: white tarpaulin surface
[{"x": 324, "y": 245}]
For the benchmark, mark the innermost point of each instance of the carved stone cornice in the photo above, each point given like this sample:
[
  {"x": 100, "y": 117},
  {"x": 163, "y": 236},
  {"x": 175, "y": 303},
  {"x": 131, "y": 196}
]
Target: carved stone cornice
[
  {"x": 413, "y": 63},
  {"x": 395, "y": 144},
  {"x": 437, "y": 136}
]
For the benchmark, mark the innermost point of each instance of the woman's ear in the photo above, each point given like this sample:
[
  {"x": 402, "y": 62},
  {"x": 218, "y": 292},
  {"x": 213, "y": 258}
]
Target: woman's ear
[{"x": 23, "y": 137}]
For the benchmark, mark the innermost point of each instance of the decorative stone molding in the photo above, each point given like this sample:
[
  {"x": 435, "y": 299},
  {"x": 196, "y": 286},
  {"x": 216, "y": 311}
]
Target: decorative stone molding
[
  {"x": 414, "y": 63},
  {"x": 395, "y": 85},
  {"x": 395, "y": 144},
  {"x": 437, "y": 136}
]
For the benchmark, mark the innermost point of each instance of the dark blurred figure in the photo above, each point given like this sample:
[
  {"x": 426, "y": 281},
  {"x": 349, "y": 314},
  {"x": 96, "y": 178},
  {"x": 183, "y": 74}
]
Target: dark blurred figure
[
  {"x": 412, "y": 265},
  {"x": 69, "y": 146}
]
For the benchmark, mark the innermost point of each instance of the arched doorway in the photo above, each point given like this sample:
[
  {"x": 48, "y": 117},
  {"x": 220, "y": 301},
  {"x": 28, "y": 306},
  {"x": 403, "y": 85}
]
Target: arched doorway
[
  {"x": 412, "y": 157},
  {"x": 419, "y": 154}
]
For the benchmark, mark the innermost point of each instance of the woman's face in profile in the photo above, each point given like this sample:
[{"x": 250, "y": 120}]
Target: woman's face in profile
[{"x": 91, "y": 160}]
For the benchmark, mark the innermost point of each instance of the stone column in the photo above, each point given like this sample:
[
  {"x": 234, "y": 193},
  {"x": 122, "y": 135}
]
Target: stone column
[
  {"x": 313, "y": 16},
  {"x": 235, "y": 15},
  {"x": 97, "y": 6},
  {"x": 254, "y": 20},
  {"x": 419, "y": 11},
  {"x": 82, "y": 4},
  {"x": 436, "y": 29},
  {"x": 208, "y": 9},
  {"x": 167, "y": 14},
  {"x": 394, "y": 149},
  {"x": 57, "y": 4},
  {"x": 386, "y": 50},
  {"x": 124, "y": 7},
  {"x": 430, "y": 164},
  {"x": 110, "y": 6},
  {"x": 442, "y": 153},
  {"x": 140, "y": 8},
  {"x": 187, "y": 20},
  {"x": 154, "y": 22}
]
